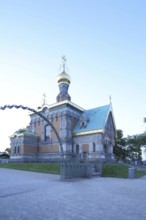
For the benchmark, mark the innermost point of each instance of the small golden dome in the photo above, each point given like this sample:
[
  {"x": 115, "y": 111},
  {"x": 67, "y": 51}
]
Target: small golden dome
[{"x": 63, "y": 78}]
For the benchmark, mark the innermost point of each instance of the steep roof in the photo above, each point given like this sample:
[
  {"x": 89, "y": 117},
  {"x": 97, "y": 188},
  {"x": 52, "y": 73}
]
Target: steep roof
[{"x": 92, "y": 121}]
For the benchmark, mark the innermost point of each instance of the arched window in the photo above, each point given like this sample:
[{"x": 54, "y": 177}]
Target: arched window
[
  {"x": 15, "y": 150},
  {"x": 18, "y": 150},
  {"x": 94, "y": 147},
  {"x": 77, "y": 149},
  {"x": 47, "y": 132}
]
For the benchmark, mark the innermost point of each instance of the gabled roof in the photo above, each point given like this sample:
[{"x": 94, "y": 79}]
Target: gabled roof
[
  {"x": 96, "y": 119},
  {"x": 58, "y": 104}
]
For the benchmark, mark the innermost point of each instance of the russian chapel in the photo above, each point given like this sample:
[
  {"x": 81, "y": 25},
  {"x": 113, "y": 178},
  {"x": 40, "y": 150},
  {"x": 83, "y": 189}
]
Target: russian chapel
[{"x": 82, "y": 132}]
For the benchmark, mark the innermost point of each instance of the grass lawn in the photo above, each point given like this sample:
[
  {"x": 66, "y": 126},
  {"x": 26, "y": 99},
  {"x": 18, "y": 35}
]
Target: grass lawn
[
  {"x": 53, "y": 168},
  {"x": 108, "y": 170},
  {"x": 119, "y": 170}
]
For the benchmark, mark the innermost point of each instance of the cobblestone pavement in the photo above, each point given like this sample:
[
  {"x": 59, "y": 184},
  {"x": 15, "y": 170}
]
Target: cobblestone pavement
[{"x": 36, "y": 196}]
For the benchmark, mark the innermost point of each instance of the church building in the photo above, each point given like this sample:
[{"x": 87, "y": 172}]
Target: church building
[{"x": 83, "y": 133}]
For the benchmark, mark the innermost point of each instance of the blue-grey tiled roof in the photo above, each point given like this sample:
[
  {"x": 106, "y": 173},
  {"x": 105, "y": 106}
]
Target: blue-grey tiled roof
[
  {"x": 96, "y": 119},
  {"x": 24, "y": 132}
]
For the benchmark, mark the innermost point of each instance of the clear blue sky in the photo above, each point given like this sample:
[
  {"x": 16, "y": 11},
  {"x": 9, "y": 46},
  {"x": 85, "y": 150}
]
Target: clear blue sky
[{"x": 104, "y": 42}]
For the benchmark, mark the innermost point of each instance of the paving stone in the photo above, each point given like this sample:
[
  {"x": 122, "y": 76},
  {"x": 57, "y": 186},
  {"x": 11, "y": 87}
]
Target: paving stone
[{"x": 28, "y": 195}]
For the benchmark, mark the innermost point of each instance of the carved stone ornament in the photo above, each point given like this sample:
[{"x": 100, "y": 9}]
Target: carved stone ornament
[
  {"x": 107, "y": 140},
  {"x": 84, "y": 121}
]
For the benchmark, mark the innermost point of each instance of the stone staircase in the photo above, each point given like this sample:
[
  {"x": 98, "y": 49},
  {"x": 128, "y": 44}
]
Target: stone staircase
[{"x": 96, "y": 171}]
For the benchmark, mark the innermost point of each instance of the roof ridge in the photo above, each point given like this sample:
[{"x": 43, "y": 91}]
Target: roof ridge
[{"x": 97, "y": 107}]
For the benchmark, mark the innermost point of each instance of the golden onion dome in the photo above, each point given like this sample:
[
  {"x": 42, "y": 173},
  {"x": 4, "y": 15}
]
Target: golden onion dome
[{"x": 63, "y": 78}]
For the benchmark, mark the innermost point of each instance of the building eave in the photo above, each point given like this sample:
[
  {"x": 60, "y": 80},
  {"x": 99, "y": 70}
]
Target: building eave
[
  {"x": 23, "y": 134},
  {"x": 88, "y": 132},
  {"x": 66, "y": 102}
]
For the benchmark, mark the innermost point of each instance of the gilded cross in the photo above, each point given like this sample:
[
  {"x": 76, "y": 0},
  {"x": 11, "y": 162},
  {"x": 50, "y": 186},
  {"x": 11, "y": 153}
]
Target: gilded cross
[{"x": 64, "y": 61}]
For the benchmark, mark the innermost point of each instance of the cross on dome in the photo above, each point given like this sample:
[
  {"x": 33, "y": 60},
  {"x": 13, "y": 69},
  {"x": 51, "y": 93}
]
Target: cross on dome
[{"x": 64, "y": 61}]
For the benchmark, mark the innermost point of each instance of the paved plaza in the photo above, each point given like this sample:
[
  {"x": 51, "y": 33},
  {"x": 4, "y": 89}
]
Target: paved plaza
[{"x": 36, "y": 196}]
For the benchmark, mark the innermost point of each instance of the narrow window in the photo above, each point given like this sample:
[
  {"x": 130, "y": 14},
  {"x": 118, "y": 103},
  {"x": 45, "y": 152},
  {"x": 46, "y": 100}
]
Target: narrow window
[
  {"x": 47, "y": 132},
  {"x": 18, "y": 150},
  {"x": 94, "y": 147},
  {"x": 15, "y": 150},
  {"x": 77, "y": 149}
]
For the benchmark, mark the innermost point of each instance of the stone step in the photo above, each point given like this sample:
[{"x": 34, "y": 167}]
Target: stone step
[{"x": 96, "y": 174}]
